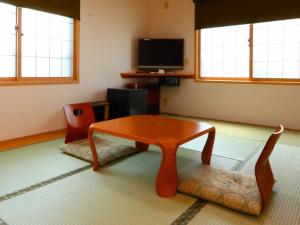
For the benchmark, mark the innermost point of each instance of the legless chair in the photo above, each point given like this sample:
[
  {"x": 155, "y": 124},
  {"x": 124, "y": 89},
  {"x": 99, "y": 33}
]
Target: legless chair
[
  {"x": 234, "y": 190},
  {"x": 263, "y": 172},
  {"x": 79, "y": 117}
]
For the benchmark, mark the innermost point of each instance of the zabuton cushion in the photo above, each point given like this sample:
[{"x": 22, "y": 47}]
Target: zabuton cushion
[
  {"x": 228, "y": 188},
  {"x": 107, "y": 150}
]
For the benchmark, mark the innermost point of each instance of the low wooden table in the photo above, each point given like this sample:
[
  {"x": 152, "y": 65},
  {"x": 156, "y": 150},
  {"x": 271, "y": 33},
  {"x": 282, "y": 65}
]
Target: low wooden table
[{"x": 165, "y": 132}]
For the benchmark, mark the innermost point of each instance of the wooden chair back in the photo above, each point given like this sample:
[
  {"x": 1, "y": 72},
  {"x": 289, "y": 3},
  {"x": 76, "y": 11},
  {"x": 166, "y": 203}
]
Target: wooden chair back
[
  {"x": 78, "y": 117},
  {"x": 263, "y": 172}
]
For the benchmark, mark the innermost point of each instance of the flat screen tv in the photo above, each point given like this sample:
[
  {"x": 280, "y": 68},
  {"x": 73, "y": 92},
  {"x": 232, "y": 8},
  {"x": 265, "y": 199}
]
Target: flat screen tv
[{"x": 160, "y": 53}]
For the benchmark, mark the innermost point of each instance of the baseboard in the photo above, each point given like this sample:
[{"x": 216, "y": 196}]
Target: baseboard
[{"x": 32, "y": 139}]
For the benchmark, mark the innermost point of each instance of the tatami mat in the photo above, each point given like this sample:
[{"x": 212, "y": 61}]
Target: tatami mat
[
  {"x": 226, "y": 146},
  {"x": 255, "y": 132},
  {"x": 284, "y": 207},
  {"x": 2, "y": 222},
  {"x": 120, "y": 194},
  {"x": 32, "y": 164}
]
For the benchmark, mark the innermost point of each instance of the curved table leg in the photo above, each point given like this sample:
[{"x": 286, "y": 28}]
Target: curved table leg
[
  {"x": 142, "y": 147},
  {"x": 207, "y": 150},
  {"x": 93, "y": 149},
  {"x": 166, "y": 181}
]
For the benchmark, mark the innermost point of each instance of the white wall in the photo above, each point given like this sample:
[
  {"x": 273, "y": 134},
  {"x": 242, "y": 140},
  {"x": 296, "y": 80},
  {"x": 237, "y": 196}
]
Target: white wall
[
  {"x": 247, "y": 103},
  {"x": 108, "y": 32}
]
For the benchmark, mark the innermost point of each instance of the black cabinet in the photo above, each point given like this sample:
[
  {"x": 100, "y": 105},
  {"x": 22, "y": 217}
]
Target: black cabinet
[
  {"x": 101, "y": 110},
  {"x": 153, "y": 93},
  {"x": 125, "y": 102}
]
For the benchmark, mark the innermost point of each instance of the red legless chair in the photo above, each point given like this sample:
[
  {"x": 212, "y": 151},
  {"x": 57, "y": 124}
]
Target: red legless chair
[
  {"x": 79, "y": 117},
  {"x": 263, "y": 171}
]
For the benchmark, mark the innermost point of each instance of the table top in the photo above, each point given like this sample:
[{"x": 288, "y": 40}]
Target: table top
[{"x": 153, "y": 129}]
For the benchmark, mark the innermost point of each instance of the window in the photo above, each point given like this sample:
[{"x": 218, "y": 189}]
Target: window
[
  {"x": 225, "y": 51},
  {"x": 7, "y": 41},
  {"x": 268, "y": 51},
  {"x": 36, "y": 46},
  {"x": 276, "y": 49}
]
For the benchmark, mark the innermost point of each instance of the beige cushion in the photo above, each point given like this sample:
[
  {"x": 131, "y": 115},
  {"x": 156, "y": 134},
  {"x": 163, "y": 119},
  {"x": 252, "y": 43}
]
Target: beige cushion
[
  {"x": 231, "y": 189},
  {"x": 107, "y": 150}
]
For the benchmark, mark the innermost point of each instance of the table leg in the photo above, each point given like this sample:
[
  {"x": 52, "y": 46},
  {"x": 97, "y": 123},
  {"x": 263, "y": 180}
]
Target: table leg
[
  {"x": 142, "y": 147},
  {"x": 207, "y": 150},
  {"x": 93, "y": 148},
  {"x": 166, "y": 181}
]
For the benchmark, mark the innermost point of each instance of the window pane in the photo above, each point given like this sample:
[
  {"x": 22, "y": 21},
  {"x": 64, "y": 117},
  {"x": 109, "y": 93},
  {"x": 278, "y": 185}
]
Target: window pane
[
  {"x": 67, "y": 31},
  {"x": 48, "y": 38},
  {"x": 206, "y": 67},
  {"x": 276, "y": 49},
  {"x": 29, "y": 21},
  {"x": 28, "y": 46},
  {"x": 7, "y": 44},
  {"x": 275, "y": 69},
  {"x": 291, "y": 69},
  {"x": 42, "y": 67},
  {"x": 67, "y": 49},
  {"x": 7, "y": 40},
  {"x": 67, "y": 67},
  {"x": 56, "y": 30},
  {"x": 261, "y": 53},
  {"x": 7, "y": 66},
  {"x": 43, "y": 24},
  {"x": 28, "y": 66},
  {"x": 225, "y": 51},
  {"x": 43, "y": 47},
  {"x": 260, "y": 69},
  {"x": 55, "y": 49},
  {"x": 55, "y": 67},
  {"x": 229, "y": 69}
]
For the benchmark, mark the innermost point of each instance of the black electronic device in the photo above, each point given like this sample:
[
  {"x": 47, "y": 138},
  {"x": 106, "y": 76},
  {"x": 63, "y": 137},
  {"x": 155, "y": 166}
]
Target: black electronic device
[
  {"x": 160, "y": 53},
  {"x": 169, "y": 81}
]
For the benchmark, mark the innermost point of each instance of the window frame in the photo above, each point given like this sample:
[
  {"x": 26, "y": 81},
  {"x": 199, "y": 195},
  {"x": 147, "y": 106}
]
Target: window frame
[
  {"x": 250, "y": 79},
  {"x": 19, "y": 80}
]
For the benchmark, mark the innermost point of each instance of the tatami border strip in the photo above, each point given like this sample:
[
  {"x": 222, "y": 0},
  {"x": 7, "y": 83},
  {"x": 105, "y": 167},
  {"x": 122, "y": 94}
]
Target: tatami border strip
[
  {"x": 42, "y": 184},
  {"x": 190, "y": 213}
]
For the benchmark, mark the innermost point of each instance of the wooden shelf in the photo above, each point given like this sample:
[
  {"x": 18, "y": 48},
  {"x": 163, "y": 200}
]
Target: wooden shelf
[{"x": 157, "y": 75}]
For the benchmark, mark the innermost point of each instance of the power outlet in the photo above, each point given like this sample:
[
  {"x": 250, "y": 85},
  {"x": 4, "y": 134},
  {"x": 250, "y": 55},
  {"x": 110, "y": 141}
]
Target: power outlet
[
  {"x": 166, "y": 4},
  {"x": 186, "y": 61},
  {"x": 165, "y": 101}
]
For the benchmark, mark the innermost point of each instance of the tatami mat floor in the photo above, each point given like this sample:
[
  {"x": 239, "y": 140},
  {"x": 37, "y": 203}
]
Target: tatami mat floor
[
  {"x": 123, "y": 193},
  {"x": 32, "y": 164},
  {"x": 289, "y": 137}
]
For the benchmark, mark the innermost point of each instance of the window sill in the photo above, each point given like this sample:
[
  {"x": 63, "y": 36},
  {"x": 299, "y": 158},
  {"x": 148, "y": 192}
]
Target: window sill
[
  {"x": 39, "y": 81},
  {"x": 247, "y": 81}
]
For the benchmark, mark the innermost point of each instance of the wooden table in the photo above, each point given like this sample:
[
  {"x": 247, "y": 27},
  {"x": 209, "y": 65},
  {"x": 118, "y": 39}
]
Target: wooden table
[{"x": 167, "y": 133}]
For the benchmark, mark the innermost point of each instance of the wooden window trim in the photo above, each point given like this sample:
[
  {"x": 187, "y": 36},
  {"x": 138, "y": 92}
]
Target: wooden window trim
[
  {"x": 19, "y": 80},
  {"x": 249, "y": 80}
]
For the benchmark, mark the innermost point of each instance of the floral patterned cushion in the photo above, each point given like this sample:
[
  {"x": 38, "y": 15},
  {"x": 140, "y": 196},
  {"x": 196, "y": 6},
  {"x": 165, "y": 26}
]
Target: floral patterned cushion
[
  {"x": 231, "y": 189},
  {"x": 107, "y": 150}
]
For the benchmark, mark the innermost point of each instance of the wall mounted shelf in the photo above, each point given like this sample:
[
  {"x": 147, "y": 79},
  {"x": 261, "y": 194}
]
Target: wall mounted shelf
[{"x": 188, "y": 75}]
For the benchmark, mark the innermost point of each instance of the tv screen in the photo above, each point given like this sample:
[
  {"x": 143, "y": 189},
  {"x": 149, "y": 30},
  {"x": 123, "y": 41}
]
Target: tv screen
[{"x": 160, "y": 53}]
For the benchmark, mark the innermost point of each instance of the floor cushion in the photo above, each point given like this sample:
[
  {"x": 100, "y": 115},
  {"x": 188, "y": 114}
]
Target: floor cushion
[
  {"x": 228, "y": 188},
  {"x": 107, "y": 150}
]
